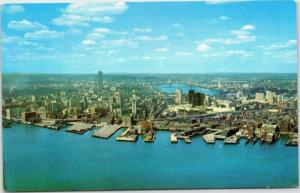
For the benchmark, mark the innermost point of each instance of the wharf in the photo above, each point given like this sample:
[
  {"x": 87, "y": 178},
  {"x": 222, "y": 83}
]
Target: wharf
[
  {"x": 106, "y": 131},
  {"x": 150, "y": 136},
  {"x": 173, "y": 138},
  {"x": 222, "y": 137},
  {"x": 187, "y": 140},
  {"x": 292, "y": 140},
  {"x": 231, "y": 140},
  {"x": 51, "y": 124},
  {"x": 209, "y": 138},
  {"x": 79, "y": 128},
  {"x": 127, "y": 136}
]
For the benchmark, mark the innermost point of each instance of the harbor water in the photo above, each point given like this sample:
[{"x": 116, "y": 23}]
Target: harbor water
[
  {"x": 171, "y": 88},
  {"x": 40, "y": 159}
]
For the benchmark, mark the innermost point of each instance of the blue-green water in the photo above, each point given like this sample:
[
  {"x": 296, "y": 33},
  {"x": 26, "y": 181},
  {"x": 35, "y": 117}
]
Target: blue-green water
[
  {"x": 171, "y": 88},
  {"x": 37, "y": 159}
]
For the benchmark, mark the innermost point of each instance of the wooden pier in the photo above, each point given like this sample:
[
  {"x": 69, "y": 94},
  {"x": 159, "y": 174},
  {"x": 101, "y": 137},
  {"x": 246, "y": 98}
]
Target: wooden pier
[{"x": 106, "y": 131}]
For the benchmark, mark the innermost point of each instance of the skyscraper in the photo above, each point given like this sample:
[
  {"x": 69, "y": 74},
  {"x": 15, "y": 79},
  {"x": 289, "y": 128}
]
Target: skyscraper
[
  {"x": 178, "y": 97},
  {"x": 191, "y": 96},
  {"x": 133, "y": 100},
  {"x": 100, "y": 80},
  {"x": 196, "y": 98}
]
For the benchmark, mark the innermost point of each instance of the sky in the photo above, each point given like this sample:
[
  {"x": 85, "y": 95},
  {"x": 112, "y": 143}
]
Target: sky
[{"x": 150, "y": 37}]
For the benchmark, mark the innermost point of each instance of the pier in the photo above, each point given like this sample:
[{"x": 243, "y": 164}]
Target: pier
[
  {"x": 80, "y": 128},
  {"x": 231, "y": 140},
  {"x": 173, "y": 138},
  {"x": 128, "y": 135},
  {"x": 209, "y": 138},
  {"x": 106, "y": 131},
  {"x": 187, "y": 140},
  {"x": 150, "y": 136}
]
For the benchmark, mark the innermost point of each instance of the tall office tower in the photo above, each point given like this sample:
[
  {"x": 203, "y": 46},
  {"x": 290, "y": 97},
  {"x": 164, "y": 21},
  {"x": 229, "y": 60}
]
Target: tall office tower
[
  {"x": 199, "y": 99},
  {"x": 178, "y": 97},
  {"x": 196, "y": 98},
  {"x": 100, "y": 80},
  {"x": 191, "y": 96},
  {"x": 133, "y": 100}
]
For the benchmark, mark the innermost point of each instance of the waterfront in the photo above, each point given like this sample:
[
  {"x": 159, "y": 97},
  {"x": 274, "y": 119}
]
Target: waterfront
[
  {"x": 37, "y": 159},
  {"x": 171, "y": 88}
]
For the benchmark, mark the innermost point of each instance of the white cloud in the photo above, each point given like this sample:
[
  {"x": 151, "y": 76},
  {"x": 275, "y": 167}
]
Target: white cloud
[
  {"x": 98, "y": 33},
  {"x": 78, "y": 20},
  {"x": 10, "y": 39},
  {"x": 243, "y": 35},
  {"x": 202, "y": 47},
  {"x": 150, "y": 38},
  {"x": 180, "y": 34},
  {"x": 161, "y": 49},
  {"x": 228, "y": 53},
  {"x": 223, "y": 1},
  {"x": 43, "y": 34},
  {"x": 248, "y": 27},
  {"x": 142, "y": 30},
  {"x": 102, "y": 30},
  {"x": 118, "y": 43},
  {"x": 223, "y": 17},
  {"x": 146, "y": 57},
  {"x": 88, "y": 42},
  {"x": 111, "y": 52},
  {"x": 81, "y": 14},
  {"x": 25, "y": 25},
  {"x": 281, "y": 56},
  {"x": 183, "y": 53},
  {"x": 121, "y": 60},
  {"x": 74, "y": 31},
  {"x": 12, "y": 9},
  {"x": 281, "y": 45},
  {"x": 177, "y": 25}
]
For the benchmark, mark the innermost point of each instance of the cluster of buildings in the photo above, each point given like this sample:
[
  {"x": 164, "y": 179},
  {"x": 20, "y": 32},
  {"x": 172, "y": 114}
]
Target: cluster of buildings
[{"x": 141, "y": 108}]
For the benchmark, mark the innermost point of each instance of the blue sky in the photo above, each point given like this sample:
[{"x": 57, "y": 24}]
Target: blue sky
[{"x": 169, "y": 37}]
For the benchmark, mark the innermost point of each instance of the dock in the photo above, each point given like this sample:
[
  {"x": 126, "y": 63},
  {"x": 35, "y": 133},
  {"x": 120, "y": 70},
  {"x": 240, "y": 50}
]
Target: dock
[
  {"x": 231, "y": 140},
  {"x": 187, "y": 140},
  {"x": 173, "y": 138},
  {"x": 51, "y": 124},
  {"x": 150, "y": 136},
  {"x": 106, "y": 131},
  {"x": 209, "y": 138},
  {"x": 221, "y": 137},
  {"x": 80, "y": 128},
  {"x": 127, "y": 136}
]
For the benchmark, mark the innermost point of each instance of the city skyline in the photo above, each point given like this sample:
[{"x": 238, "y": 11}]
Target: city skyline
[{"x": 202, "y": 37}]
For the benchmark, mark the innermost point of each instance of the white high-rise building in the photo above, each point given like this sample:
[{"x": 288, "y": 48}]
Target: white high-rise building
[
  {"x": 178, "y": 97},
  {"x": 133, "y": 100}
]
